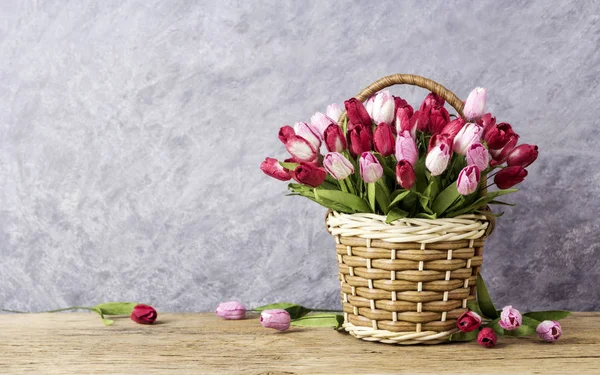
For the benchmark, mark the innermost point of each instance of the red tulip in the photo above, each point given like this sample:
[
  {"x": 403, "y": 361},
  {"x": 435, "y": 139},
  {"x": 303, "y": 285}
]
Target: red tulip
[
  {"x": 405, "y": 174},
  {"x": 285, "y": 132},
  {"x": 404, "y": 120},
  {"x": 334, "y": 139},
  {"x": 425, "y": 112},
  {"x": 384, "y": 139},
  {"x": 486, "y": 122},
  {"x": 143, "y": 314},
  {"x": 509, "y": 177},
  {"x": 468, "y": 321},
  {"x": 271, "y": 167},
  {"x": 438, "y": 118},
  {"x": 361, "y": 139},
  {"x": 357, "y": 113},
  {"x": 500, "y": 155},
  {"x": 498, "y": 136},
  {"x": 309, "y": 174},
  {"x": 487, "y": 337},
  {"x": 522, "y": 155},
  {"x": 453, "y": 127}
]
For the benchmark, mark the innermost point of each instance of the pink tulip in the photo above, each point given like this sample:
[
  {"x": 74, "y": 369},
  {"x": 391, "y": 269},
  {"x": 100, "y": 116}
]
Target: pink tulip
[
  {"x": 438, "y": 139},
  {"x": 301, "y": 149},
  {"x": 303, "y": 130},
  {"x": 277, "y": 319},
  {"x": 334, "y": 139},
  {"x": 437, "y": 159},
  {"x": 405, "y": 174},
  {"x": 232, "y": 310},
  {"x": 468, "y": 321},
  {"x": 384, "y": 139},
  {"x": 383, "y": 108},
  {"x": 549, "y": 330},
  {"x": 468, "y": 180},
  {"x": 361, "y": 139},
  {"x": 487, "y": 337},
  {"x": 499, "y": 136},
  {"x": 509, "y": 177},
  {"x": 522, "y": 155},
  {"x": 370, "y": 169},
  {"x": 478, "y": 155},
  {"x": 475, "y": 104},
  {"x": 319, "y": 122},
  {"x": 286, "y": 132},
  {"x": 486, "y": 122},
  {"x": 357, "y": 114},
  {"x": 510, "y": 319},
  {"x": 334, "y": 111},
  {"x": 468, "y": 135},
  {"x": 309, "y": 174},
  {"x": 406, "y": 148},
  {"x": 404, "y": 123},
  {"x": 271, "y": 167},
  {"x": 337, "y": 165},
  {"x": 453, "y": 127}
]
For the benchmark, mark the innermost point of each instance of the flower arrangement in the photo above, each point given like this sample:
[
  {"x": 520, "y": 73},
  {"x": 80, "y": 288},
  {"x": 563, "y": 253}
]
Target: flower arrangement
[{"x": 384, "y": 157}]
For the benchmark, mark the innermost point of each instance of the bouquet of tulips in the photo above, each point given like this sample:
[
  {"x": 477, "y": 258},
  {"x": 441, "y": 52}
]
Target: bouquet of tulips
[{"x": 386, "y": 158}]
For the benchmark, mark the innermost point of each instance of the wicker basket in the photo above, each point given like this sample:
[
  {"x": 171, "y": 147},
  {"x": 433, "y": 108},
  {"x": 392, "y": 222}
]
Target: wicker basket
[{"x": 407, "y": 282}]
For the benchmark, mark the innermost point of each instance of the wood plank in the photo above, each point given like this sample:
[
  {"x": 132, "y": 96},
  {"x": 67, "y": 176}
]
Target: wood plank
[{"x": 78, "y": 343}]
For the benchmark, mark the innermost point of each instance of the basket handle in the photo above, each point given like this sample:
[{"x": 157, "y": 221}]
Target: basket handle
[{"x": 409, "y": 79}]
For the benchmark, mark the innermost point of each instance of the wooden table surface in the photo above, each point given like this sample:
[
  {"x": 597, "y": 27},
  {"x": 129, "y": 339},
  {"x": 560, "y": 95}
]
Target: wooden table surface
[{"x": 78, "y": 343}]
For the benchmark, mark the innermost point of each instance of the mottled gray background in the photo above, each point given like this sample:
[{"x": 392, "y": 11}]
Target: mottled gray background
[{"x": 131, "y": 133}]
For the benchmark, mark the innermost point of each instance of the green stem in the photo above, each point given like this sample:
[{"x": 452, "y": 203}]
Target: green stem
[{"x": 52, "y": 311}]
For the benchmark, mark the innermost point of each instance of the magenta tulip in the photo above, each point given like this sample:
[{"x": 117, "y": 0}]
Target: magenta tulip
[
  {"x": 334, "y": 139},
  {"x": 285, "y": 132},
  {"x": 383, "y": 139},
  {"x": 475, "y": 105},
  {"x": 487, "y": 337},
  {"x": 509, "y": 177},
  {"x": 361, "y": 139},
  {"x": 500, "y": 155},
  {"x": 370, "y": 169},
  {"x": 486, "y": 122},
  {"x": 309, "y": 174},
  {"x": 478, "y": 155},
  {"x": 271, "y": 167},
  {"x": 337, "y": 165},
  {"x": 231, "y": 310},
  {"x": 405, "y": 174},
  {"x": 468, "y": 321},
  {"x": 404, "y": 121},
  {"x": 406, "y": 148},
  {"x": 357, "y": 113},
  {"x": 468, "y": 180},
  {"x": 522, "y": 155},
  {"x": 499, "y": 135},
  {"x": 276, "y": 318}
]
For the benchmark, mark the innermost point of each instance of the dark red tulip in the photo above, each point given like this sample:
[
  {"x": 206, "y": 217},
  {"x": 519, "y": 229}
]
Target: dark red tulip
[
  {"x": 334, "y": 139},
  {"x": 499, "y": 135},
  {"x": 361, "y": 139},
  {"x": 285, "y": 133},
  {"x": 438, "y": 118},
  {"x": 522, "y": 155},
  {"x": 309, "y": 174},
  {"x": 384, "y": 139},
  {"x": 487, "y": 337},
  {"x": 468, "y": 321},
  {"x": 357, "y": 113},
  {"x": 405, "y": 174},
  {"x": 509, "y": 177},
  {"x": 143, "y": 314},
  {"x": 453, "y": 127},
  {"x": 486, "y": 122},
  {"x": 499, "y": 156}
]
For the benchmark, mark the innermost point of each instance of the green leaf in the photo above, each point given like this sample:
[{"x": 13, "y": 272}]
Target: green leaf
[
  {"x": 371, "y": 195},
  {"x": 349, "y": 200},
  {"x": 421, "y": 183},
  {"x": 481, "y": 202},
  {"x": 523, "y": 330},
  {"x": 424, "y": 215},
  {"x": 399, "y": 197},
  {"x": 340, "y": 321},
  {"x": 295, "y": 311},
  {"x": 547, "y": 315},
  {"x": 484, "y": 301},
  {"x": 395, "y": 214},
  {"x": 382, "y": 196},
  {"x": 464, "y": 336},
  {"x": 495, "y": 325},
  {"x": 318, "y": 320},
  {"x": 502, "y": 203},
  {"x": 108, "y": 322},
  {"x": 473, "y": 306},
  {"x": 445, "y": 199},
  {"x": 116, "y": 308},
  {"x": 288, "y": 165}
]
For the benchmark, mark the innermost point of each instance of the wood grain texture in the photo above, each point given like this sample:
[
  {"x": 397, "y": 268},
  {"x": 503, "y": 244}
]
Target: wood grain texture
[{"x": 78, "y": 343}]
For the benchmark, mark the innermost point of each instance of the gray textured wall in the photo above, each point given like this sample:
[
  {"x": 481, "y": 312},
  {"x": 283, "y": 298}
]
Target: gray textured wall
[{"x": 131, "y": 135}]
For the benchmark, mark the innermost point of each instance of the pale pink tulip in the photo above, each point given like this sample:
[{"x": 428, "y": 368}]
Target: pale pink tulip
[
  {"x": 370, "y": 169},
  {"x": 437, "y": 159},
  {"x": 468, "y": 179},
  {"x": 475, "y": 104},
  {"x": 406, "y": 148},
  {"x": 337, "y": 165},
  {"x": 468, "y": 135}
]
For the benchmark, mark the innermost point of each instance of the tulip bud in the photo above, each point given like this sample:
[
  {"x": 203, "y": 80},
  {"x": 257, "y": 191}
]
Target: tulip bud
[
  {"x": 370, "y": 169},
  {"x": 499, "y": 135},
  {"x": 431, "y": 101},
  {"x": 303, "y": 130},
  {"x": 406, "y": 148},
  {"x": 309, "y": 174},
  {"x": 438, "y": 118},
  {"x": 404, "y": 121},
  {"x": 468, "y": 180},
  {"x": 478, "y": 155},
  {"x": 285, "y": 132},
  {"x": 437, "y": 139},
  {"x": 468, "y": 321},
  {"x": 337, "y": 165},
  {"x": 510, "y": 319},
  {"x": 143, "y": 314},
  {"x": 232, "y": 310},
  {"x": 453, "y": 127},
  {"x": 487, "y": 337},
  {"x": 277, "y": 319},
  {"x": 319, "y": 122},
  {"x": 405, "y": 174},
  {"x": 383, "y": 108},
  {"x": 384, "y": 139},
  {"x": 334, "y": 138},
  {"x": 437, "y": 159},
  {"x": 271, "y": 167},
  {"x": 357, "y": 113},
  {"x": 475, "y": 104},
  {"x": 509, "y": 177},
  {"x": 486, "y": 122},
  {"x": 300, "y": 149},
  {"x": 549, "y": 330},
  {"x": 361, "y": 139},
  {"x": 334, "y": 111},
  {"x": 468, "y": 135},
  {"x": 522, "y": 155}
]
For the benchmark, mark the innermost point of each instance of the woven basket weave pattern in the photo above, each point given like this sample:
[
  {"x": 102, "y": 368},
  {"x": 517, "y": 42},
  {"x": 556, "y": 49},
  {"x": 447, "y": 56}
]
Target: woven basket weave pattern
[{"x": 406, "y": 282}]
